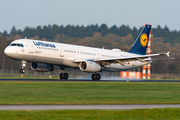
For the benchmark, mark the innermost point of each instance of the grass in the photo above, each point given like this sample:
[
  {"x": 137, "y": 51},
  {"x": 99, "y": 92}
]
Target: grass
[
  {"x": 137, "y": 114},
  {"x": 22, "y": 92}
]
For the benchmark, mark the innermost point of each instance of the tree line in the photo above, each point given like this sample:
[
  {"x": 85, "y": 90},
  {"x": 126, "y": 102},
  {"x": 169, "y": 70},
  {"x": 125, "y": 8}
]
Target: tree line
[{"x": 50, "y": 31}]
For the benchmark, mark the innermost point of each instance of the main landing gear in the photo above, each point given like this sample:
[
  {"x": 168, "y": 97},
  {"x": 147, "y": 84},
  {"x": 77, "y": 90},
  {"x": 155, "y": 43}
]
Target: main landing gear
[
  {"x": 63, "y": 75},
  {"x": 96, "y": 76},
  {"x": 23, "y": 65}
]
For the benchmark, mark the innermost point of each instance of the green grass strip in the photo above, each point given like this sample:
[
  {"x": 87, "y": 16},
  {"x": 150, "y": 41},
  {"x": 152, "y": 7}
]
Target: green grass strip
[
  {"x": 138, "y": 114},
  {"x": 52, "y": 93}
]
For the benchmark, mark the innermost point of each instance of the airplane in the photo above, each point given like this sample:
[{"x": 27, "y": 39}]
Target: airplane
[{"x": 44, "y": 55}]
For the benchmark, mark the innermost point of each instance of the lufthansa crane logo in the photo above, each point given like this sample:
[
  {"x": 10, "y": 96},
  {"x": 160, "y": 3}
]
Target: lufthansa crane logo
[{"x": 144, "y": 39}]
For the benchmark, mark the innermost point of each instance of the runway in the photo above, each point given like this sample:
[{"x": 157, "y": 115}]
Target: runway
[
  {"x": 83, "y": 107},
  {"x": 89, "y": 80}
]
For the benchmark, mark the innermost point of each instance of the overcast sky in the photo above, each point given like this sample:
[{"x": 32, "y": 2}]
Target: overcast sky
[{"x": 31, "y": 13}]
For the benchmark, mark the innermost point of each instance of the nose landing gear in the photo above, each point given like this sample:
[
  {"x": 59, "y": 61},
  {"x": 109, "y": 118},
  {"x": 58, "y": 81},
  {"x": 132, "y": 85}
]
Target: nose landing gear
[
  {"x": 23, "y": 65},
  {"x": 22, "y": 70}
]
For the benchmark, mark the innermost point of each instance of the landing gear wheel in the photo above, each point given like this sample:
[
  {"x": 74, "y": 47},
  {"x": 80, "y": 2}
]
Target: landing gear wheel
[
  {"x": 93, "y": 76},
  {"x": 64, "y": 76},
  {"x": 61, "y": 76},
  {"x": 98, "y": 77},
  {"x": 22, "y": 70}
]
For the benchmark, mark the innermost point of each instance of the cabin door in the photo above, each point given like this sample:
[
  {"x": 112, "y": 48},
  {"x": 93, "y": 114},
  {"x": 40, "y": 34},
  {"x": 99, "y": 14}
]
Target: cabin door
[
  {"x": 61, "y": 51},
  {"x": 31, "y": 47},
  {"x": 98, "y": 55}
]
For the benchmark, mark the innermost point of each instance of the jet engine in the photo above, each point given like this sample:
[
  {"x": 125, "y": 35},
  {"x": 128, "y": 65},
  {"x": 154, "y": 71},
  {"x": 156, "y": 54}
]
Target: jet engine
[
  {"x": 89, "y": 66},
  {"x": 41, "y": 67}
]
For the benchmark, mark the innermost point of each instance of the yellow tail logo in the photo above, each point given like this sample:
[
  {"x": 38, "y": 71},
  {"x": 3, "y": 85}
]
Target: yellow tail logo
[{"x": 144, "y": 39}]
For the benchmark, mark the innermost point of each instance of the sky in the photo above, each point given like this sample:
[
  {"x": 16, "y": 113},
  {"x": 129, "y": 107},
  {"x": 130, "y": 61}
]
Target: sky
[{"x": 135, "y": 13}]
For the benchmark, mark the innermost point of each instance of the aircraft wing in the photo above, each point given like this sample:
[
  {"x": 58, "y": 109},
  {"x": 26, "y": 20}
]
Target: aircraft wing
[
  {"x": 121, "y": 60},
  {"x": 127, "y": 58}
]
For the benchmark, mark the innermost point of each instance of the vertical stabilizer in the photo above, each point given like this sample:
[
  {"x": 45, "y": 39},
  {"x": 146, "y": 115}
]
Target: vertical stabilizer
[{"x": 141, "y": 42}]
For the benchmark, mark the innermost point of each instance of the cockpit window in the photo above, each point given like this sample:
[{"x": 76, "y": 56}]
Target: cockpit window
[
  {"x": 21, "y": 45},
  {"x": 16, "y": 44}
]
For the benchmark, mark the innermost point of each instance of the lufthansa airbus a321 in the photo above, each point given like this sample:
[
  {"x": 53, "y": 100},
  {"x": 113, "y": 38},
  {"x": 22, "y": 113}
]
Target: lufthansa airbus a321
[{"x": 44, "y": 55}]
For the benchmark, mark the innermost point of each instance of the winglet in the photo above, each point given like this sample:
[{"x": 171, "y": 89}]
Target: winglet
[
  {"x": 168, "y": 53},
  {"x": 165, "y": 53}
]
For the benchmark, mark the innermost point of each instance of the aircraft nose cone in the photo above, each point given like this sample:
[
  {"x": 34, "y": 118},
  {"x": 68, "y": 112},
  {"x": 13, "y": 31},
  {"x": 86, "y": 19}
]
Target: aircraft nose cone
[{"x": 7, "y": 51}]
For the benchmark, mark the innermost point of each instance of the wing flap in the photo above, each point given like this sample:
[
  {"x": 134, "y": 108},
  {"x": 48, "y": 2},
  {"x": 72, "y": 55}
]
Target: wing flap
[{"x": 136, "y": 57}]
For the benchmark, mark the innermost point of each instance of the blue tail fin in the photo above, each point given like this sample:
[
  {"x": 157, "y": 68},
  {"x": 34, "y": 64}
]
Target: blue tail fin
[{"x": 141, "y": 42}]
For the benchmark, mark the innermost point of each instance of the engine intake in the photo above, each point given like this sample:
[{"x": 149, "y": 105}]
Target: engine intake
[
  {"x": 89, "y": 66},
  {"x": 41, "y": 67}
]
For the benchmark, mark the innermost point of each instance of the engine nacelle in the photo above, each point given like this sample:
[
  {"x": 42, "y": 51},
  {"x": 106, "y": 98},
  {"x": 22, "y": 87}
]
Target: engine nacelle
[
  {"x": 41, "y": 67},
  {"x": 89, "y": 66}
]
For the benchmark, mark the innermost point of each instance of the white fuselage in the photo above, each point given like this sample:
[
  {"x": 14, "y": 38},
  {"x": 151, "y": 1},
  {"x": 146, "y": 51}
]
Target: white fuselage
[{"x": 66, "y": 54}]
